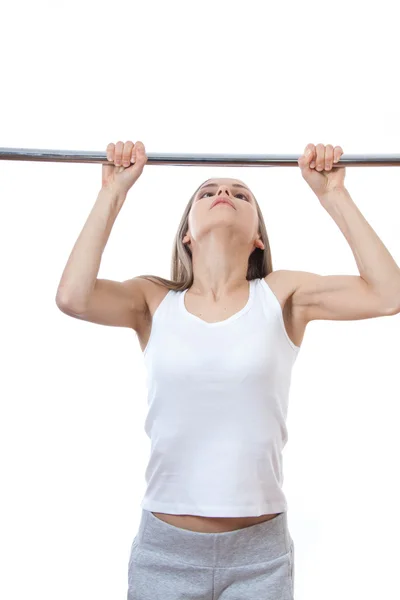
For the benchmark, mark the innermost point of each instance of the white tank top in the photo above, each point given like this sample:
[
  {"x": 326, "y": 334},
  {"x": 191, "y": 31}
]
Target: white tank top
[{"x": 217, "y": 408}]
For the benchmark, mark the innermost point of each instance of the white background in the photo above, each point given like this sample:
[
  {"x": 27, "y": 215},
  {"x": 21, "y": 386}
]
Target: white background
[{"x": 201, "y": 77}]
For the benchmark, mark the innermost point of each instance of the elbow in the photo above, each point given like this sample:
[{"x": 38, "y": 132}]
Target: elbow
[{"x": 65, "y": 304}]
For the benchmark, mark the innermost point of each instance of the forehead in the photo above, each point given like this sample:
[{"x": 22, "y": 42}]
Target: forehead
[{"x": 232, "y": 183}]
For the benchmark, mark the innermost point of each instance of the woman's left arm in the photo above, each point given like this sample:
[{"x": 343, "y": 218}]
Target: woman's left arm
[{"x": 379, "y": 272}]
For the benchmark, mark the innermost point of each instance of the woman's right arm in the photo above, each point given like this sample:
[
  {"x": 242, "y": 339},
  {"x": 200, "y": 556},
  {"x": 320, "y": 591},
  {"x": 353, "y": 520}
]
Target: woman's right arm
[{"x": 80, "y": 293}]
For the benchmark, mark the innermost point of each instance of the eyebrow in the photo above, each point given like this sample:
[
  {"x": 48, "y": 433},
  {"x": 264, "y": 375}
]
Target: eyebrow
[{"x": 234, "y": 185}]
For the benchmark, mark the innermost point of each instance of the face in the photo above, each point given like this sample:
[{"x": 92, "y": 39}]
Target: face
[{"x": 240, "y": 217}]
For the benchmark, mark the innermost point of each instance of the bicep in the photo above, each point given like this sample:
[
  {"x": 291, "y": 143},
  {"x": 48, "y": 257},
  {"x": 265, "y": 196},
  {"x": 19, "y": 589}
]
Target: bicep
[
  {"x": 337, "y": 298},
  {"x": 114, "y": 303}
]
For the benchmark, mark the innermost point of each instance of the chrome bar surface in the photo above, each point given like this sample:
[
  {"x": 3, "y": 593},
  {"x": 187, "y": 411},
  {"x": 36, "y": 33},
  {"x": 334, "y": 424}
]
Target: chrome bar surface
[{"x": 175, "y": 159}]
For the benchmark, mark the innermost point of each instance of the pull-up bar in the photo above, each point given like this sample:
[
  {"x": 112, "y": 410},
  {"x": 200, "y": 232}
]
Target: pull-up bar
[{"x": 197, "y": 160}]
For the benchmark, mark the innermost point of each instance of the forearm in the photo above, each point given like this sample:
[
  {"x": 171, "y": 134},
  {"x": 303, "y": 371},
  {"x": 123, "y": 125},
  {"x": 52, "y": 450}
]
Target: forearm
[
  {"x": 80, "y": 273},
  {"x": 375, "y": 263}
]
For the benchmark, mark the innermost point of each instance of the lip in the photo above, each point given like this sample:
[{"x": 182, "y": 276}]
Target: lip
[{"x": 224, "y": 200}]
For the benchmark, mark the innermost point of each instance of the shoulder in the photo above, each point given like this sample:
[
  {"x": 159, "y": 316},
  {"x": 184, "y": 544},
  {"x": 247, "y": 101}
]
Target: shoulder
[
  {"x": 284, "y": 284},
  {"x": 154, "y": 292}
]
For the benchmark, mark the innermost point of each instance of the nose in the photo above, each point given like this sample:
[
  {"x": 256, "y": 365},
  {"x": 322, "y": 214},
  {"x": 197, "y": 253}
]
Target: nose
[{"x": 223, "y": 190}]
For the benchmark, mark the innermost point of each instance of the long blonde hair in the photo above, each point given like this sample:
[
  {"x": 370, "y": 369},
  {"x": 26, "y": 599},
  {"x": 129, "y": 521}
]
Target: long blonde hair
[{"x": 259, "y": 265}]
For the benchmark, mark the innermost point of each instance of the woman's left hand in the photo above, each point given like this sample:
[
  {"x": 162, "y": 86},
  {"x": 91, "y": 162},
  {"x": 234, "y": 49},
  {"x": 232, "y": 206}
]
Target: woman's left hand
[{"x": 317, "y": 168}]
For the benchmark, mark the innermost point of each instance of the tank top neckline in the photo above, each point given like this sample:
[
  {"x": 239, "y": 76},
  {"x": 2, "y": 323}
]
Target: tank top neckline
[{"x": 233, "y": 317}]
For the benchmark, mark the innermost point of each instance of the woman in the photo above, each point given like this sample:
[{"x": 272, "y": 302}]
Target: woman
[{"x": 219, "y": 342}]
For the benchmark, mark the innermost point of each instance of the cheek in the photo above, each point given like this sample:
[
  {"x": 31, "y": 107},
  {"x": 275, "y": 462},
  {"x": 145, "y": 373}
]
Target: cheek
[
  {"x": 194, "y": 217},
  {"x": 197, "y": 214},
  {"x": 250, "y": 216}
]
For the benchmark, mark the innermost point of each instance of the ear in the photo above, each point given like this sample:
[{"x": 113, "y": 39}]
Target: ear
[
  {"x": 186, "y": 239},
  {"x": 259, "y": 244}
]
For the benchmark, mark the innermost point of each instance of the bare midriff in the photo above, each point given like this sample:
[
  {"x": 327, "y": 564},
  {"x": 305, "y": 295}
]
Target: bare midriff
[{"x": 212, "y": 524}]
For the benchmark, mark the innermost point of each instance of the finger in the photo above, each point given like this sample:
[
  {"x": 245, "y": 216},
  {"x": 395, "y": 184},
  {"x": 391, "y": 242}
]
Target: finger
[
  {"x": 118, "y": 153},
  {"x": 127, "y": 153},
  {"x": 313, "y": 155},
  {"x": 110, "y": 151},
  {"x": 320, "y": 160},
  {"x": 308, "y": 155},
  {"x": 141, "y": 152},
  {"x": 337, "y": 153},
  {"x": 328, "y": 157}
]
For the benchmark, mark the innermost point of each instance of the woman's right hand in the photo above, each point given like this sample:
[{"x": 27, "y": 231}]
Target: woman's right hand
[{"x": 128, "y": 161}]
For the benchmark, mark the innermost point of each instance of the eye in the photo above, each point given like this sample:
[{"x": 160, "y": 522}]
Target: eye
[{"x": 245, "y": 197}]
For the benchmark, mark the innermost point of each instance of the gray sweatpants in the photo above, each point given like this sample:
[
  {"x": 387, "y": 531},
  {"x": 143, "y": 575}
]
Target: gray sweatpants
[{"x": 171, "y": 563}]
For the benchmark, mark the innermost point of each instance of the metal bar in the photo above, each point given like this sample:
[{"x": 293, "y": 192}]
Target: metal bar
[{"x": 211, "y": 160}]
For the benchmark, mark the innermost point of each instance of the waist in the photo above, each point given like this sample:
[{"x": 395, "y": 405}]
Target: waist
[{"x": 202, "y": 524}]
